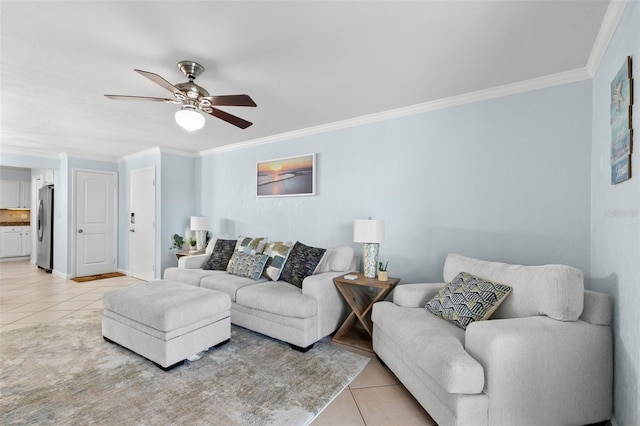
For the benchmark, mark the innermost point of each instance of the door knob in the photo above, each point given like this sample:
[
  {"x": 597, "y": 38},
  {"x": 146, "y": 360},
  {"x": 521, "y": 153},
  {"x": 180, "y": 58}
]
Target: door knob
[
  {"x": 80, "y": 231},
  {"x": 132, "y": 230}
]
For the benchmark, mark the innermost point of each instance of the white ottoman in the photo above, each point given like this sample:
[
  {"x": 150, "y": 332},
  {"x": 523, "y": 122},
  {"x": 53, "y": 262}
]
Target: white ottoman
[{"x": 166, "y": 321}]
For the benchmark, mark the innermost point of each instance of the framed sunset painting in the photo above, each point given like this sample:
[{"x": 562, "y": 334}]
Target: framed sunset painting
[{"x": 287, "y": 177}]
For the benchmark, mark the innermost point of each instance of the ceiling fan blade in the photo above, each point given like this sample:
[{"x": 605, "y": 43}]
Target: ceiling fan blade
[
  {"x": 140, "y": 98},
  {"x": 231, "y": 100},
  {"x": 230, "y": 118},
  {"x": 160, "y": 81}
]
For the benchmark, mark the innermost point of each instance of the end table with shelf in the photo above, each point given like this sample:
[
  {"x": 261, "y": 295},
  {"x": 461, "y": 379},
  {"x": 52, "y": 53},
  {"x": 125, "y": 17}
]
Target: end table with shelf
[{"x": 360, "y": 294}]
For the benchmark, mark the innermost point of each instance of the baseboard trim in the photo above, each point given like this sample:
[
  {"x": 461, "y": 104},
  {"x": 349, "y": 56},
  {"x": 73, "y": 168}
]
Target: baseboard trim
[
  {"x": 61, "y": 274},
  {"x": 13, "y": 259}
]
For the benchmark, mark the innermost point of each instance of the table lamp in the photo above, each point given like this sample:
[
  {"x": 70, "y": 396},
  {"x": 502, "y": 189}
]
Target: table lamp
[
  {"x": 200, "y": 224},
  {"x": 371, "y": 233}
]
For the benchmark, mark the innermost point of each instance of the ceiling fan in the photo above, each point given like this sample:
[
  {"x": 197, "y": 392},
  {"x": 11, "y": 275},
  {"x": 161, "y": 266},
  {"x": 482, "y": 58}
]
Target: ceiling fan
[{"x": 192, "y": 98}]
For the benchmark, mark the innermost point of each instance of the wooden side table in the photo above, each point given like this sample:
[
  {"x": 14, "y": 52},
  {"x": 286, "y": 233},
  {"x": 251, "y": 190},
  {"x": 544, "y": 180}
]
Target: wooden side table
[
  {"x": 180, "y": 254},
  {"x": 360, "y": 294}
]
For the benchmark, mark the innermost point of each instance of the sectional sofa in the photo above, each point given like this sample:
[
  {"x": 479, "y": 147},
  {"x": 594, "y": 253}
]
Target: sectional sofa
[{"x": 281, "y": 289}]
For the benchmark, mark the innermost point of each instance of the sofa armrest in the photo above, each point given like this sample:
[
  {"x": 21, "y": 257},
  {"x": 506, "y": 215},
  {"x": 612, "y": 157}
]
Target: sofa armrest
[
  {"x": 539, "y": 370},
  {"x": 332, "y": 308},
  {"x": 597, "y": 308},
  {"x": 196, "y": 261},
  {"x": 415, "y": 295}
]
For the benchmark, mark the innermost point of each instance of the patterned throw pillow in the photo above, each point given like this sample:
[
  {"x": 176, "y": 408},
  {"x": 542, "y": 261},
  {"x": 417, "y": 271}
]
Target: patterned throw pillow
[
  {"x": 468, "y": 298},
  {"x": 247, "y": 265},
  {"x": 301, "y": 263},
  {"x": 221, "y": 255},
  {"x": 278, "y": 252},
  {"x": 250, "y": 245}
]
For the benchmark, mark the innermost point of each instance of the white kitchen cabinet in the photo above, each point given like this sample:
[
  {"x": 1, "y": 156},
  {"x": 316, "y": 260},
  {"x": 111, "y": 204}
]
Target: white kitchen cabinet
[
  {"x": 11, "y": 241},
  {"x": 15, "y": 194},
  {"x": 26, "y": 241},
  {"x": 10, "y": 194},
  {"x": 25, "y": 195}
]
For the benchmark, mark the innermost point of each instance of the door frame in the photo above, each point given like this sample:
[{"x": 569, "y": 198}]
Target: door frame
[{"x": 74, "y": 200}]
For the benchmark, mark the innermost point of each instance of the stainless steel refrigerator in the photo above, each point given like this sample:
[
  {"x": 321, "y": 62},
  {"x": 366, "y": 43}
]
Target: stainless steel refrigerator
[{"x": 45, "y": 228}]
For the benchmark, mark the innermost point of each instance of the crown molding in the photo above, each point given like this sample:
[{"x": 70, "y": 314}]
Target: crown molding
[
  {"x": 610, "y": 22},
  {"x": 140, "y": 154},
  {"x": 156, "y": 150},
  {"x": 467, "y": 98}
]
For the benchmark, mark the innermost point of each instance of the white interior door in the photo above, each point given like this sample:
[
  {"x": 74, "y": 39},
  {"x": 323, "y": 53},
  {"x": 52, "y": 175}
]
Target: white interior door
[
  {"x": 142, "y": 224},
  {"x": 95, "y": 222}
]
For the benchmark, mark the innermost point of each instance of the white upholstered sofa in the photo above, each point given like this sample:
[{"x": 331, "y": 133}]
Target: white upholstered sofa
[
  {"x": 298, "y": 316},
  {"x": 544, "y": 357}
]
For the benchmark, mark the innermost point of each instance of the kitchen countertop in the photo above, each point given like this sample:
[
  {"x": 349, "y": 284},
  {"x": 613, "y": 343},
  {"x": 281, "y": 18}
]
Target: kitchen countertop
[{"x": 27, "y": 223}]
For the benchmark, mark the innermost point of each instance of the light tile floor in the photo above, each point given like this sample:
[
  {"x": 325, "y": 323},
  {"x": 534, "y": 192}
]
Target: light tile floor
[{"x": 29, "y": 295}]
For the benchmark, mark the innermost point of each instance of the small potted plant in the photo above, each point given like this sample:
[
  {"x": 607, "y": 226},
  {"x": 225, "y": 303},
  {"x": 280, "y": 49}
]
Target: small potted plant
[
  {"x": 178, "y": 242},
  {"x": 382, "y": 271},
  {"x": 192, "y": 243}
]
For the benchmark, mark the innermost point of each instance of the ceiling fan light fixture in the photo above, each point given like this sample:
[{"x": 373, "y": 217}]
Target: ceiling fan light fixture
[{"x": 189, "y": 119}]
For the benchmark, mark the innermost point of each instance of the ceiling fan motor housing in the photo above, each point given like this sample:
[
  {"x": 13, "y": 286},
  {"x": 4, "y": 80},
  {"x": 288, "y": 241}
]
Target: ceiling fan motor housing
[{"x": 190, "y": 69}]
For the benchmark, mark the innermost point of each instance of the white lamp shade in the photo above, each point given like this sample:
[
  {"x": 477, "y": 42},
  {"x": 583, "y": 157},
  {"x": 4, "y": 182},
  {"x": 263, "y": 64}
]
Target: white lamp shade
[
  {"x": 189, "y": 119},
  {"x": 199, "y": 223},
  {"x": 368, "y": 231}
]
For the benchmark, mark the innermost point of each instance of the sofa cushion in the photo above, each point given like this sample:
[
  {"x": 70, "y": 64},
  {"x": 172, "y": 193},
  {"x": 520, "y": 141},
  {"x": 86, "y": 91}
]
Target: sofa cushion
[
  {"x": 228, "y": 283},
  {"x": 189, "y": 276},
  {"x": 250, "y": 245},
  {"x": 466, "y": 299},
  {"x": 247, "y": 265},
  {"x": 301, "y": 263},
  {"x": 278, "y": 252},
  {"x": 279, "y": 298},
  {"x": 436, "y": 346},
  {"x": 221, "y": 255},
  {"x": 553, "y": 290},
  {"x": 335, "y": 260}
]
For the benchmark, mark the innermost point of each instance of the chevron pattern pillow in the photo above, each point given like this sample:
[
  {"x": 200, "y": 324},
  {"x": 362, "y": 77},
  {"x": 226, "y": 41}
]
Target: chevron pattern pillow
[
  {"x": 247, "y": 265},
  {"x": 468, "y": 298}
]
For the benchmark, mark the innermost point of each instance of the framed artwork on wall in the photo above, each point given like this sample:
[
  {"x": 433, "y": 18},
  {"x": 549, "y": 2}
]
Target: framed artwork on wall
[
  {"x": 621, "y": 126},
  {"x": 286, "y": 177}
]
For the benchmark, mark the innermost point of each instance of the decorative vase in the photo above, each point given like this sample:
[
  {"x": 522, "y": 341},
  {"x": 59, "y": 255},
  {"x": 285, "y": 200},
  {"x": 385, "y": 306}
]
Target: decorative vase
[{"x": 383, "y": 276}]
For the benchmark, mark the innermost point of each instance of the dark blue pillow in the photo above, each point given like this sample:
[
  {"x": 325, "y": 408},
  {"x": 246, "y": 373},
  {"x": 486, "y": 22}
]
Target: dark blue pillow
[
  {"x": 301, "y": 263},
  {"x": 221, "y": 255}
]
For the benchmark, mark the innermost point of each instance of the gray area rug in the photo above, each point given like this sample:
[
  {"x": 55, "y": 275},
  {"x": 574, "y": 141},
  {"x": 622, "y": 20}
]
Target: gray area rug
[{"x": 65, "y": 373}]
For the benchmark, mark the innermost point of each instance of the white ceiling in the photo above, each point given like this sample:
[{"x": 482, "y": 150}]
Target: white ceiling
[{"x": 305, "y": 63}]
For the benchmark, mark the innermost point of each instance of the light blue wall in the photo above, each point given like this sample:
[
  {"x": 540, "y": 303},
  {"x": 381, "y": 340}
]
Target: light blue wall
[
  {"x": 504, "y": 179},
  {"x": 29, "y": 162},
  {"x": 23, "y": 175},
  {"x": 178, "y": 201},
  {"x": 615, "y": 225}
]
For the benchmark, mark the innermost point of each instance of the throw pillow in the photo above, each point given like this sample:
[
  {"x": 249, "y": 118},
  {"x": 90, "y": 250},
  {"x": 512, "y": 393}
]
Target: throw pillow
[
  {"x": 221, "y": 255},
  {"x": 278, "y": 252},
  {"x": 301, "y": 263},
  {"x": 247, "y": 265},
  {"x": 250, "y": 245},
  {"x": 468, "y": 298}
]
